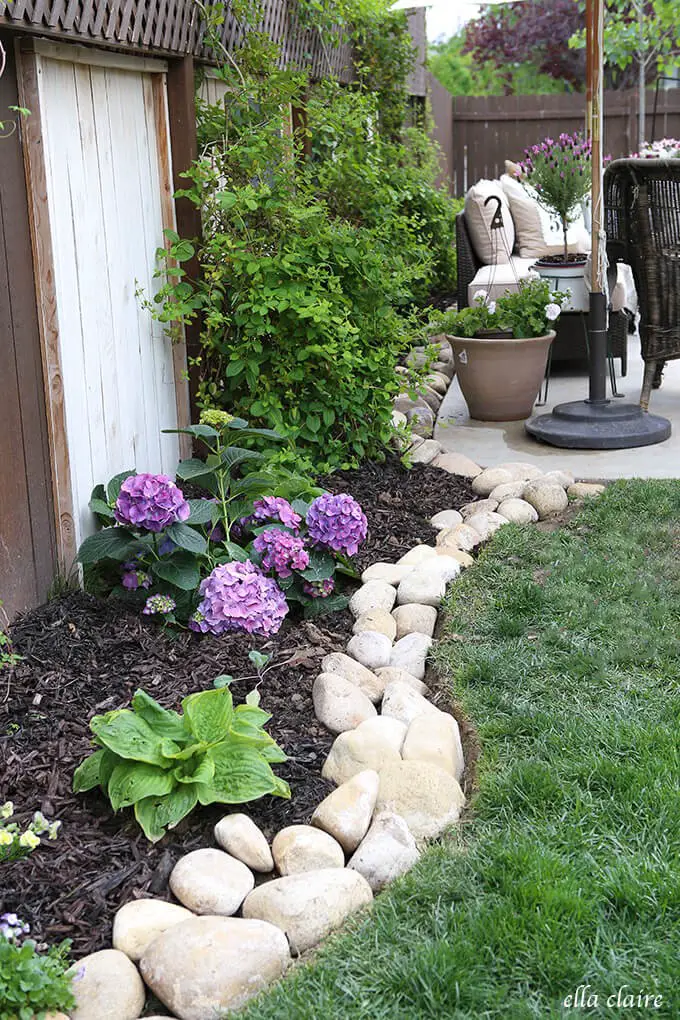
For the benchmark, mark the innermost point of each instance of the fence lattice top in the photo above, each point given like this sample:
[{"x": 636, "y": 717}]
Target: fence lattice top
[{"x": 175, "y": 27}]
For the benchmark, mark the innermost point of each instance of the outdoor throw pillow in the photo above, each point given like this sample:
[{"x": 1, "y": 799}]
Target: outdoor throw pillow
[
  {"x": 492, "y": 247},
  {"x": 539, "y": 233}
]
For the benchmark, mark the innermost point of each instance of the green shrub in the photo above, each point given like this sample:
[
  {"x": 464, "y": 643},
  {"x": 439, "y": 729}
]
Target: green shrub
[
  {"x": 164, "y": 763},
  {"x": 32, "y": 984}
]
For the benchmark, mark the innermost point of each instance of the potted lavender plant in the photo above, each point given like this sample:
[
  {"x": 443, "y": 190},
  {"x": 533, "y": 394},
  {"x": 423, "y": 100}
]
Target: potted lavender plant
[{"x": 557, "y": 175}]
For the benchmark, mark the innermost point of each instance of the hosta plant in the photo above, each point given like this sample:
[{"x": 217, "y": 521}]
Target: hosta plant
[{"x": 163, "y": 763}]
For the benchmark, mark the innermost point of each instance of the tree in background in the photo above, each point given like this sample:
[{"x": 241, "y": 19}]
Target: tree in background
[
  {"x": 463, "y": 75},
  {"x": 641, "y": 40}
]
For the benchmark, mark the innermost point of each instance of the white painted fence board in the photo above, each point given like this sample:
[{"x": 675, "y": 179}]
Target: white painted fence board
[{"x": 104, "y": 198}]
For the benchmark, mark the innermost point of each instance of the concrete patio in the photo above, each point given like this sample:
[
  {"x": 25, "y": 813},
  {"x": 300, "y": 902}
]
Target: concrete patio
[{"x": 490, "y": 443}]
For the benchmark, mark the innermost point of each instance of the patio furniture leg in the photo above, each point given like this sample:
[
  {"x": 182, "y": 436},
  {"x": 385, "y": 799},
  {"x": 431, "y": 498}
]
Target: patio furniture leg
[{"x": 650, "y": 370}]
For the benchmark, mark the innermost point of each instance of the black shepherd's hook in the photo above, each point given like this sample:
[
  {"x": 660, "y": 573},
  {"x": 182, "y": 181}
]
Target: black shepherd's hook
[{"x": 497, "y": 220}]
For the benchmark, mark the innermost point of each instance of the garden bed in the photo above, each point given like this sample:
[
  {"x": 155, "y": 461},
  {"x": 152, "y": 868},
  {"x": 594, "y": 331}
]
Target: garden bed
[{"x": 83, "y": 656}]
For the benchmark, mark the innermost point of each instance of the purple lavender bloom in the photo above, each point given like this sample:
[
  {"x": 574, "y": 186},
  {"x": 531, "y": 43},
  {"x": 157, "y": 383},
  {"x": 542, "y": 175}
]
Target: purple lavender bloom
[
  {"x": 275, "y": 508},
  {"x": 319, "y": 589},
  {"x": 237, "y": 596},
  {"x": 282, "y": 553},
  {"x": 162, "y": 604},
  {"x": 337, "y": 523},
  {"x": 133, "y": 578},
  {"x": 150, "y": 502}
]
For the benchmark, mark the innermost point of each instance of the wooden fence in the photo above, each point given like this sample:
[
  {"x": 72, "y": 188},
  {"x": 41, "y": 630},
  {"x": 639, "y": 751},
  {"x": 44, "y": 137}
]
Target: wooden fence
[{"x": 485, "y": 131}]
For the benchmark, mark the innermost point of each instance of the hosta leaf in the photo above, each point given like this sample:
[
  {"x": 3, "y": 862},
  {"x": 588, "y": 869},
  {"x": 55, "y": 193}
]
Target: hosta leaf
[
  {"x": 187, "y": 538},
  {"x": 86, "y": 776},
  {"x": 162, "y": 721},
  {"x": 251, "y": 715},
  {"x": 273, "y": 753},
  {"x": 154, "y": 814},
  {"x": 110, "y": 543},
  {"x": 202, "y": 772},
  {"x": 209, "y": 714},
  {"x": 127, "y": 735},
  {"x": 133, "y": 781},
  {"x": 241, "y": 775}
]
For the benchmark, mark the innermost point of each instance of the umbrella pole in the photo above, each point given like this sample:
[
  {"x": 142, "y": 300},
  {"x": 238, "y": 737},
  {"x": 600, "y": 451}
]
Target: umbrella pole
[{"x": 595, "y": 423}]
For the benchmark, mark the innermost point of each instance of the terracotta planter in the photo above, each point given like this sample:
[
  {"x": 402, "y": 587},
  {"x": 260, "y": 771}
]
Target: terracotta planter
[{"x": 500, "y": 379}]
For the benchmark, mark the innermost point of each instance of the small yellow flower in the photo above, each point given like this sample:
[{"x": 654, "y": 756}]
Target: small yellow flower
[
  {"x": 29, "y": 839},
  {"x": 7, "y": 809},
  {"x": 6, "y": 838}
]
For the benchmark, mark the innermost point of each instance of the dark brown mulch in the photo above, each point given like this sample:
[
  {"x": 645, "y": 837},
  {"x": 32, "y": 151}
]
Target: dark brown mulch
[{"x": 83, "y": 656}]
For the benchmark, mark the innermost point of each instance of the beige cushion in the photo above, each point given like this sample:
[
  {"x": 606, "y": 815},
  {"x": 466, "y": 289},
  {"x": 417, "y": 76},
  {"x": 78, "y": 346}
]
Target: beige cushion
[
  {"x": 538, "y": 233},
  {"x": 496, "y": 281},
  {"x": 491, "y": 246}
]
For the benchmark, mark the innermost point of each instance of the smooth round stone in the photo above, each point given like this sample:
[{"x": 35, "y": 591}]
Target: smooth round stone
[
  {"x": 387, "y": 851},
  {"x": 210, "y": 881},
  {"x": 461, "y": 537},
  {"x": 346, "y": 812},
  {"x": 372, "y": 745},
  {"x": 398, "y": 419},
  {"x": 584, "y": 490},
  {"x": 438, "y": 382},
  {"x": 425, "y": 796},
  {"x": 486, "y": 482},
  {"x": 347, "y": 667},
  {"x": 110, "y": 987},
  {"x": 403, "y": 703},
  {"x": 389, "y": 674},
  {"x": 456, "y": 554},
  {"x": 521, "y": 471},
  {"x": 410, "y": 653},
  {"x": 445, "y": 367},
  {"x": 419, "y": 554},
  {"x": 477, "y": 508},
  {"x": 435, "y": 739},
  {"x": 211, "y": 966},
  {"x": 339, "y": 704},
  {"x": 373, "y": 595},
  {"x": 563, "y": 478},
  {"x": 546, "y": 499},
  {"x": 404, "y": 404},
  {"x": 370, "y": 648},
  {"x": 457, "y": 464},
  {"x": 424, "y": 586},
  {"x": 510, "y": 490},
  {"x": 300, "y": 848},
  {"x": 415, "y": 618},
  {"x": 390, "y": 573},
  {"x": 377, "y": 620},
  {"x": 446, "y": 519},
  {"x": 309, "y": 906},
  {"x": 139, "y": 922},
  {"x": 518, "y": 511},
  {"x": 486, "y": 524},
  {"x": 239, "y": 836}
]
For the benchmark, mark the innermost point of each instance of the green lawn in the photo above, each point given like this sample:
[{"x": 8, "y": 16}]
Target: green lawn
[{"x": 564, "y": 649}]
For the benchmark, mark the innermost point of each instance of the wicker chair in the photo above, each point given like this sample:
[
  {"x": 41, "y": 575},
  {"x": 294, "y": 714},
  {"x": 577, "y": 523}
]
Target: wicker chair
[
  {"x": 570, "y": 342},
  {"x": 642, "y": 220}
]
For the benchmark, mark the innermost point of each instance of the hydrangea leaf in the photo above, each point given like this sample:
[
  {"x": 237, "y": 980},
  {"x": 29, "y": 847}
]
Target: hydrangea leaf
[
  {"x": 320, "y": 607},
  {"x": 234, "y": 455},
  {"x": 132, "y": 781},
  {"x": 187, "y": 538},
  {"x": 209, "y": 714},
  {"x": 113, "y": 488},
  {"x": 154, "y": 814},
  {"x": 181, "y": 571},
  {"x": 192, "y": 468},
  {"x": 110, "y": 543},
  {"x": 201, "y": 511},
  {"x": 321, "y": 567}
]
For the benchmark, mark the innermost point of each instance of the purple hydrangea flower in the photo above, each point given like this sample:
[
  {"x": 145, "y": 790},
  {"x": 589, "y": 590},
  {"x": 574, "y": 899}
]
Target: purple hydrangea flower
[
  {"x": 197, "y": 623},
  {"x": 337, "y": 523},
  {"x": 319, "y": 589},
  {"x": 237, "y": 596},
  {"x": 275, "y": 508},
  {"x": 150, "y": 502},
  {"x": 159, "y": 604},
  {"x": 282, "y": 553},
  {"x": 133, "y": 578}
]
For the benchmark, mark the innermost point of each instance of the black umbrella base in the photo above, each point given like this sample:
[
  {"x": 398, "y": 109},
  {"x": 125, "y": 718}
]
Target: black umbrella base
[{"x": 582, "y": 425}]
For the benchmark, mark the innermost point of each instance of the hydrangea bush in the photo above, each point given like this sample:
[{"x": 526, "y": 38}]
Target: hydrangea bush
[{"x": 233, "y": 559}]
